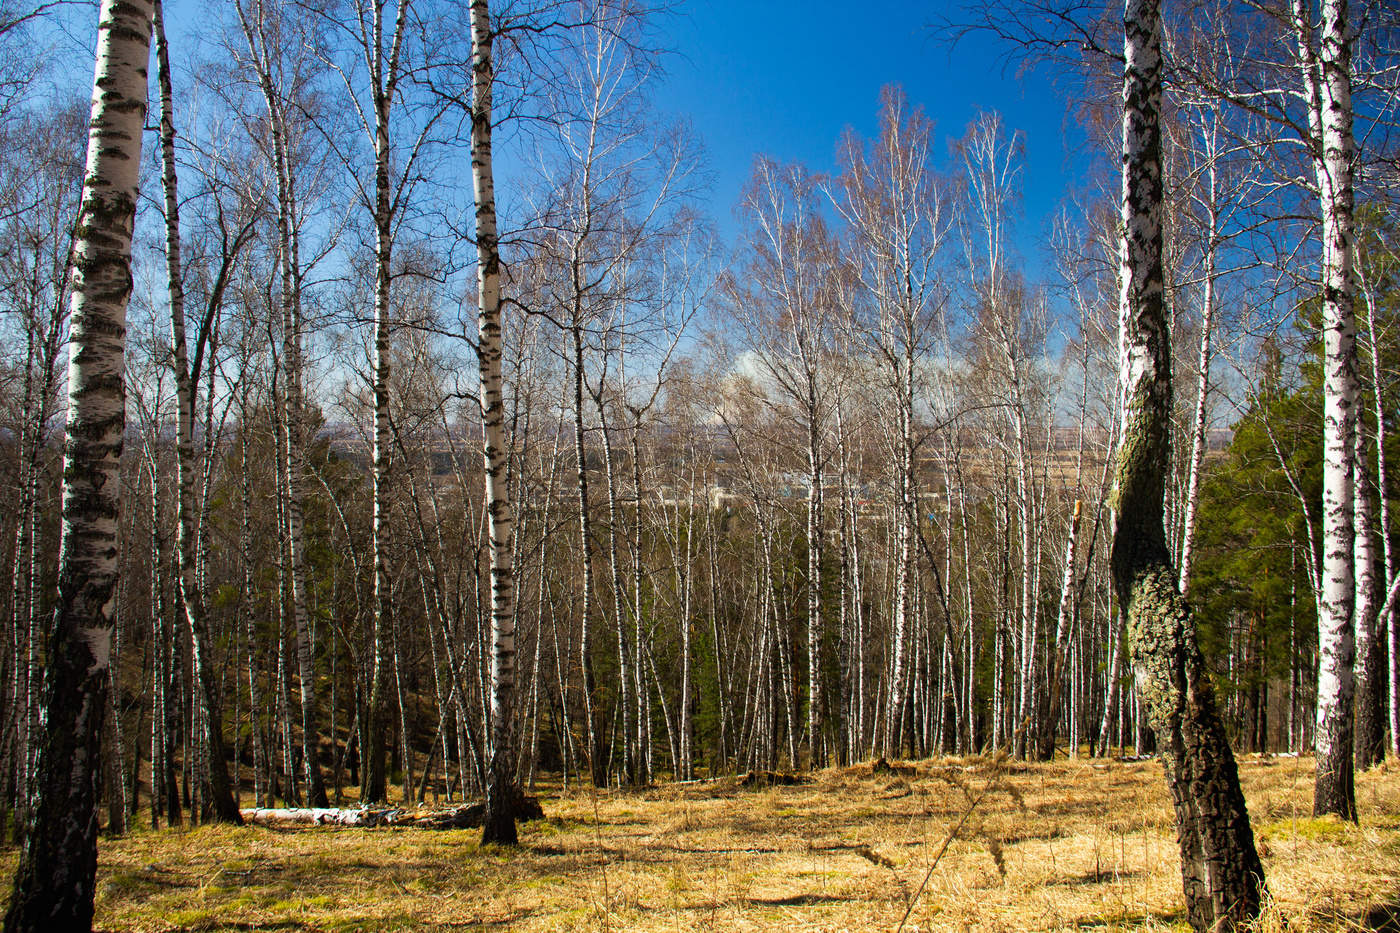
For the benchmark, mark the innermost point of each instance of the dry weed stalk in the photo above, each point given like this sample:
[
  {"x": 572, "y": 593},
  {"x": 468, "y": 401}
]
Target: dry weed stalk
[{"x": 998, "y": 781}]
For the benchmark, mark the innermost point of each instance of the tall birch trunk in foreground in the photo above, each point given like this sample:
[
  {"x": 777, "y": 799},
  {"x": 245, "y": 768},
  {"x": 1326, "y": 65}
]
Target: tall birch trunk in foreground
[
  {"x": 499, "y": 824},
  {"x": 1327, "y": 87},
  {"x": 55, "y": 878},
  {"x": 225, "y": 808},
  {"x": 1221, "y": 874}
]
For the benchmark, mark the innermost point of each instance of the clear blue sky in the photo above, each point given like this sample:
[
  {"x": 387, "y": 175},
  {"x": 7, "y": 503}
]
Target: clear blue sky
[{"x": 786, "y": 78}]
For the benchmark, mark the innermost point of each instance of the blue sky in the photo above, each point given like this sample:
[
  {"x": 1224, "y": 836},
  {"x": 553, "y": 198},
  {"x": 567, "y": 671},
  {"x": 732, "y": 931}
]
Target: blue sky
[{"x": 786, "y": 78}]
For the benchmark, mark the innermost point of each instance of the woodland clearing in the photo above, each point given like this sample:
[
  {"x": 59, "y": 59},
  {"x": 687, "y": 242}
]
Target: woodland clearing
[{"x": 1078, "y": 844}]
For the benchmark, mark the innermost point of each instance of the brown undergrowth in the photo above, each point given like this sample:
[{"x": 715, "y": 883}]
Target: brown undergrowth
[{"x": 956, "y": 844}]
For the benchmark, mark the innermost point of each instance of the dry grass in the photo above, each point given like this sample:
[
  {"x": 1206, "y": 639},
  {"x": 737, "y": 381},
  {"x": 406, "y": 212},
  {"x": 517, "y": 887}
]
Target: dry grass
[{"x": 1068, "y": 845}]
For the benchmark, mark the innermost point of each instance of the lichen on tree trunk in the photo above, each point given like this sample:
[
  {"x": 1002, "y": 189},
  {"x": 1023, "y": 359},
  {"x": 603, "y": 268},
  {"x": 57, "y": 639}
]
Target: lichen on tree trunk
[{"x": 1222, "y": 877}]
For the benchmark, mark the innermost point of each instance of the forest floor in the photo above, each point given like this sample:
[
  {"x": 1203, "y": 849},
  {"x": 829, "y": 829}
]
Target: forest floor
[{"x": 1077, "y": 844}]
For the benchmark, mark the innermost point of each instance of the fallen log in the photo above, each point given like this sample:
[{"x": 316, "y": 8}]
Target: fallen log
[
  {"x": 318, "y": 816},
  {"x": 464, "y": 817}
]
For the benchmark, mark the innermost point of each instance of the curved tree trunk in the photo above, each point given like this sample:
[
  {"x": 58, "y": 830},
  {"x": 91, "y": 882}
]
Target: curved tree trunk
[
  {"x": 1221, "y": 873},
  {"x": 54, "y": 883}
]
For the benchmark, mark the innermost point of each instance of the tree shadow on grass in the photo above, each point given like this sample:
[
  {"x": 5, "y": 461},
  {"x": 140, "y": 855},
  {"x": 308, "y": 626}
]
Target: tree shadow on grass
[
  {"x": 796, "y": 900},
  {"x": 1384, "y": 917},
  {"x": 1133, "y": 919},
  {"x": 1098, "y": 876}
]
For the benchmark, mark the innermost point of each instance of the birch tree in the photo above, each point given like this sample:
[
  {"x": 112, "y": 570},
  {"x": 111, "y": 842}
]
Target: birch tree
[
  {"x": 1326, "y": 65},
  {"x": 894, "y": 206},
  {"x": 1005, "y": 323},
  {"x": 1377, "y": 262},
  {"x": 54, "y": 882},
  {"x": 265, "y": 29},
  {"x": 1222, "y": 876},
  {"x": 499, "y": 824},
  {"x": 378, "y": 29},
  {"x": 784, "y": 306},
  {"x": 1215, "y": 194},
  {"x": 616, "y": 182},
  {"x": 186, "y": 386}
]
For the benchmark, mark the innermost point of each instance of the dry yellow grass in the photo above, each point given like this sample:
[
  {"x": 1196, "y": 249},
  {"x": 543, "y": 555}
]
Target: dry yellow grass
[{"x": 1069, "y": 845}]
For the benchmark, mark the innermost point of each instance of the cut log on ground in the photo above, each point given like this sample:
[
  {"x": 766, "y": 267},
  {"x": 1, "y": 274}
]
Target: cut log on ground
[{"x": 464, "y": 817}]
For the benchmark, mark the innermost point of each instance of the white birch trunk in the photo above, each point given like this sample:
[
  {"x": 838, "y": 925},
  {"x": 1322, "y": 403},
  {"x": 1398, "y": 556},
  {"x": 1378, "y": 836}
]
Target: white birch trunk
[
  {"x": 225, "y": 808},
  {"x": 816, "y": 533},
  {"x": 499, "y": 826},
  {"x": 1198, "y": 425},
  {"x": 1025, "y": 704},
  {"x": 1327, "y": 85},
  {"x": 384, "y": 75},
  {"x": 1063, "y": 625},
  {"x": 54, "y": 883}
]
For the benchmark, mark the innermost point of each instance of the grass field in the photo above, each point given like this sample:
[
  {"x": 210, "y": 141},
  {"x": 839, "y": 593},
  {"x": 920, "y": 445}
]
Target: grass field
[{"x": 1078, "y": 844}]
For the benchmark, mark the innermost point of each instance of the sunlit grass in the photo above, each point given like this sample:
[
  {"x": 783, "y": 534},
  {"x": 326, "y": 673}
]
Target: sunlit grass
[{"x": 1070, "y": 845}]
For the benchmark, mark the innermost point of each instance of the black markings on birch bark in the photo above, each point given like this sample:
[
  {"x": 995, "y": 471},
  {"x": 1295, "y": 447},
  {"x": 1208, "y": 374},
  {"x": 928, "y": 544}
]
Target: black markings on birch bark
[
  {"x": 225, "y": 808},
  {"x": 54, "y": 882},
  {"x": 499, "y": 823},
  {"x": 1222, "y": 877},
  {"x": 1326, "y": 74}
]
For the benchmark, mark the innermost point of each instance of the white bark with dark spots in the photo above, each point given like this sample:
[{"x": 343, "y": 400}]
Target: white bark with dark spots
[
  {"x": 1222, "y": 877},
  {"x": 499, "y": 824},
  {"x": 54, "y": 883},
  {"x": 1327, "y": 90}
]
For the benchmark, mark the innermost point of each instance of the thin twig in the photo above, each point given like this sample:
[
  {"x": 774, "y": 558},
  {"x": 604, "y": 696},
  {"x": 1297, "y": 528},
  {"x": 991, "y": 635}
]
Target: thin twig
[{"x": 947, "y": 841}]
